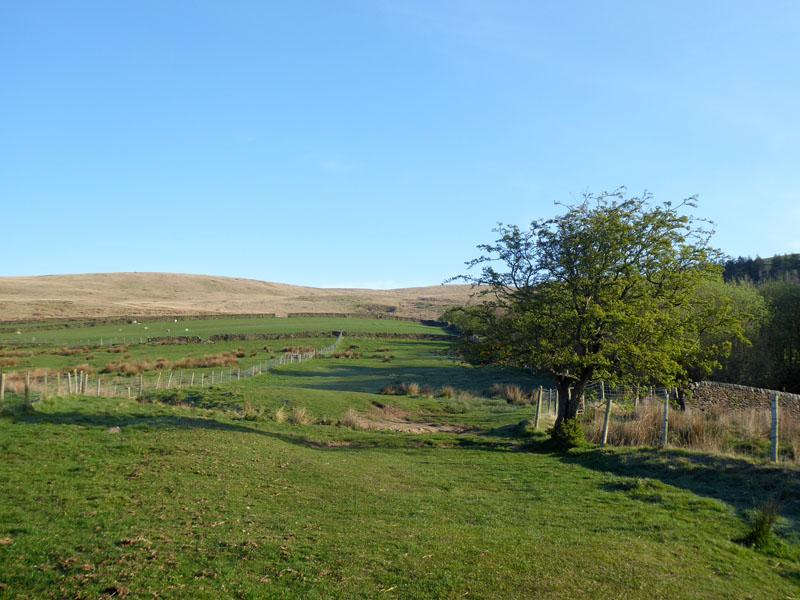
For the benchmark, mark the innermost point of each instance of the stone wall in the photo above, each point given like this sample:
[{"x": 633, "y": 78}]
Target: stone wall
[{"x": 708, "y": 394}]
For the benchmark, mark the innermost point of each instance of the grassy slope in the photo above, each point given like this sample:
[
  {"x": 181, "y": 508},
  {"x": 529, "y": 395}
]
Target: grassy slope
[{"x": 191, "y": 502}]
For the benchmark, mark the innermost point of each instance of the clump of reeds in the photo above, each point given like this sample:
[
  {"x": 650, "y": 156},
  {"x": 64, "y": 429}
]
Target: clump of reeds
[
  {"x": 760, "y": 534},
  {"x": 346, "y": 354},
  {"x": 395, "y": 389},
  {"x": 118, "y": 349},
  {"x": 70, "y": 351},
  {"x": 225, "y": 359},
  {"x": 298, "y": 349}
]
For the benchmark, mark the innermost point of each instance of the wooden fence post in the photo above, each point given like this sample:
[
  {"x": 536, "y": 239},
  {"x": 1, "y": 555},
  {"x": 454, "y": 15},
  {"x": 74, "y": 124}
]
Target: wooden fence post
[
  {"x": 665, "y": 429},
  {"x": 98, "y": 385},
  {"x": 636, "y": 398},
  {"x": 158, "y": 379},
  {"x": 608, "y": 413},
  {"x": 202, "y": 379},
  {"x": 28, "y": 390},
  {"x": 58, "y": 385},
  {"x": 538, "y": 409},
  {"x": 69, "y": 383},
  {"x": 775, "y": 423},
  {"x": 169, "y": 381},
  {"x": 44, "y": 392},
  {"x": 212, "y": 377},
  {"x": 191, "y": 381},
  {"x": 2, "y": 390},
  {"x": 141, "y": 383}
]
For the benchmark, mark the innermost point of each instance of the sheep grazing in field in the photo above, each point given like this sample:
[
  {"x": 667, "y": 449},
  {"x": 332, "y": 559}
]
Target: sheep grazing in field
[
  {"x": 187, "y": 329},
  {"x": 167, "y": 330}
]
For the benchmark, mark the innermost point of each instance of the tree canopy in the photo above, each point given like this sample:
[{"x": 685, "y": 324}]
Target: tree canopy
[{"x": 607, "y": 290}]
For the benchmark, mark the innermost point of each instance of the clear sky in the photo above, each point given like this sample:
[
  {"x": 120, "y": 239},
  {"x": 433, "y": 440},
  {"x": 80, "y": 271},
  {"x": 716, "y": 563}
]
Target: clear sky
[{"x": 375, "y": 143}]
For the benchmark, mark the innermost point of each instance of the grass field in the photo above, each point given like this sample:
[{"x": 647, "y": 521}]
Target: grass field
[
  {"x": 130, "y": 333},
  {"x": 205, "y": 494}
]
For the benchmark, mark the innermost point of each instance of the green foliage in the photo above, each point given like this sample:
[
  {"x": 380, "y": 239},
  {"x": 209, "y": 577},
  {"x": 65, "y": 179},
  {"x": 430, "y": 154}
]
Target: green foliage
[
  {"x": 567, "y": 434},
  {"x": 608, "y": 290},
  {"x": 772, "y": 360}
]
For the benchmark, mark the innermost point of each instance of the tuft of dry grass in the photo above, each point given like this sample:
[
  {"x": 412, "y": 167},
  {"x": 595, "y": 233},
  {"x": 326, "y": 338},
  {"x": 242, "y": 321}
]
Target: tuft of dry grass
[
  {"x": 352, "y": 419},
  {"x": 412, "y": 389},
  {"x": 280, "y": 415},
  {"x": 249, "y": 412},
  {"x": 398, "y": 389},
  {"x": 427, "y": 392},
  {"x": 510, "y": 393},
  {"x": 447, "y": 391},
  {"x": 301, "y": 416}
]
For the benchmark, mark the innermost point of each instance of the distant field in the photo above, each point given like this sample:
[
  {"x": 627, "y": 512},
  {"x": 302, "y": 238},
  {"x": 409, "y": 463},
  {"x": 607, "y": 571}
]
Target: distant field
[{"x": 129, "y": 333}]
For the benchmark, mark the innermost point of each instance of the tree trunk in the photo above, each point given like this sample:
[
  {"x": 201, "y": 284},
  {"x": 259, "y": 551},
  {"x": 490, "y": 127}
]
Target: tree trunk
[{"x": 569, "y": 397}]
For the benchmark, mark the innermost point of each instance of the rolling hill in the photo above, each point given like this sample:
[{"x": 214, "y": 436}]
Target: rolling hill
[{"x": 105, "y": 295}]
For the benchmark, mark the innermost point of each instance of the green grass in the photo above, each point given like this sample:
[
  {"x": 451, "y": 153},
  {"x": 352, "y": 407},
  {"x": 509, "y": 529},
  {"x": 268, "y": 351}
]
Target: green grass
[
  {"x": 129, "y": 333},
  {"x": 202, "y": 494}
]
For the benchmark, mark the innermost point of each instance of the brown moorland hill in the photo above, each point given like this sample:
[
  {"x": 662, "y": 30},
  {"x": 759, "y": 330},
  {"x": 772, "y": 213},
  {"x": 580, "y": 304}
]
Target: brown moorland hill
[{"x": 103, "y": 295}]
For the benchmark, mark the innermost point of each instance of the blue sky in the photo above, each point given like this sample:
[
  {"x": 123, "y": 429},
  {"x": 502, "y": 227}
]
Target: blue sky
[{"x": 376, "y": 143}]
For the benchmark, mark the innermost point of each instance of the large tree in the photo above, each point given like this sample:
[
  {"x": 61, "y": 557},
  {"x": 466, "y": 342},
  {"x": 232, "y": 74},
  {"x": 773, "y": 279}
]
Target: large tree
[{"x": 607, "y": 290}]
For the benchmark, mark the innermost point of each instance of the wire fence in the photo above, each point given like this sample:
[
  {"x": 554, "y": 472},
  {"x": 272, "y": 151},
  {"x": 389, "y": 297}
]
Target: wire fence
[
  {"x": 668, "y": 417},
  {"x": 79, "y": 382}
]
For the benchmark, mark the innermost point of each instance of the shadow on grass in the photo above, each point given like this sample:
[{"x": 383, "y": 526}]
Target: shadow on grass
[
  {"x": 371, "y": 378},
  {"x": 737, "y": 482},
  {"x": 342, "y": 439}
]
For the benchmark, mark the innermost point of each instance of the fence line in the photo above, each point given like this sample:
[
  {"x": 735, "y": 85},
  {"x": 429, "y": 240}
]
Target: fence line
[
  {"x": 78, "y": 382},
  {"x": 650, "y": 409}
]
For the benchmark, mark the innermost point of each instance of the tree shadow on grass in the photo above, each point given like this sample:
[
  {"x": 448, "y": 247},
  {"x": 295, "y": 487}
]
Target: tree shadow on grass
[
  {"x": 371, "y": 378},
  {"x": 737, "y": 482}
]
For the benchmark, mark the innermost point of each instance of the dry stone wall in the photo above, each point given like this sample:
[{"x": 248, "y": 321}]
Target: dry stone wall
[{"x": 708, "y": 394}]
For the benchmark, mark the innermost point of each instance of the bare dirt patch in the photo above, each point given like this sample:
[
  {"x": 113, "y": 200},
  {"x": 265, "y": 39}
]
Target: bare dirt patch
[{"x": 393, "y": 418}]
